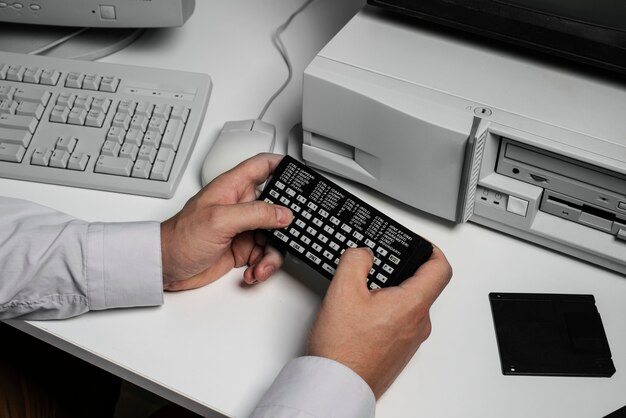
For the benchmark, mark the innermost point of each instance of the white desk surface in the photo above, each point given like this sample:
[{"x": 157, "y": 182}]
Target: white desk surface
[{"x": 216, "y": 350}]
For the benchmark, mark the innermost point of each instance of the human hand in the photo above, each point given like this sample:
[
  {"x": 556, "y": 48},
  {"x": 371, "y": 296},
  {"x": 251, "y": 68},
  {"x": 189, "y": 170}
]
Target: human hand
[
  {"x": 376, "y": 332},
  {"x": 215, "y": 230}
]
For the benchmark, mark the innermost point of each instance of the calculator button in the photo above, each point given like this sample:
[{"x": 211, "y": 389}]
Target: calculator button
[
  {"x": 372, "y": 271},
  {"x": 388, "y": 268},
  {"x": 294, "y": 232},
  {"x": 274, "y": 194},
  {"x": 306, "y": 239},
  {"x": 281, "y": 236},
  {"x": 370, "y": 243},
  {"x": 334, "y": 246},
  {"x": 299, "y": 248},
  {"x": 284, "y": 201},
  {"x": 280, "y": 185},
  {"x": 323, "y": 213},
  {"x": 328, "y": 229},
  {"x": 328, "y": 268},
  {"x": 381, "y": 251},
  {"x": 312, "y": 206},
  {"x": 394, "y": 259},
  {"x": 346, "y": 228},
  {"x": 328, "y": 254},
  {"x": 374, "y": 286},
  {"x": 335, "y": 220},
  {"x": 376, "y": 261},
  {"x": 301, "y": 199},
  {"x": 295, "y": 208},
  {"x": 358, "y": 235},
  {"x": 351, "y": 244},
  {"x": 340, "y": 236},
  {"x": 300, "y": 223},
  {"x": 322, "y": 238},
  {"x": 311, "y": 231},
  {"x": 317, "y": 222},
  {"x": 381, "y": 277},
  {"x": 306, "y": 215},
  {"x": 313, "y": 258},
  {"x": 290, "y": 192},
  {"x": 317, "y": 247}
]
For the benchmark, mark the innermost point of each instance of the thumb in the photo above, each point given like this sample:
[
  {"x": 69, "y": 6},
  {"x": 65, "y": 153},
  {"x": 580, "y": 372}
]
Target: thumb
[
  {"x": 237, "y": 218},
  {"x": 352, "y": 271}
]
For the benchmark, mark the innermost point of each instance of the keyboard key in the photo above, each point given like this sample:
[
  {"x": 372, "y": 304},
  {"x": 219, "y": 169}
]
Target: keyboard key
[
  {"x": 313, "y": 258},
  {"x": 173, "y": 134},
  {"x": 59, "y": 158},
  {"x": 11, "y": 152},
  {"x": 50, "y": 77},
  {"x": 141, "y": 169},
  {"x": 111, "y": 148},
  {"x": 25, "y": 123},
  {"x": 83, "y": 102},
  {"x": 118, "y": 166},
  {"x": 180, "y": 113},
  {"x": 77, "y": 116},
  {"x": 116, "y": 134},
  {"x": 281, "y": 236},
  {"x": 101, "y": 103},
  {"x": 78, "y": 161},
  {"x": 163, "y": 164},
  {"x": 32, "y": 95},
  {"x": 3, "y": 71},
  {"x": 66, "y": 143},
  {"x": 162, "y": 111},
  {"x": 147, "y": 153},
  {"x": 32, "y": 75},
  {"x": 144, "y": 109},
  {"x": 157, "y": 124},
  {"x": 8, "y": 106},
  {"x": 15, "y": 137},
  {"x": 121, "y": 120},
  {"x": 95, "y": 118},
  {"x": 299, "y": 248},
  {"x": 127, "y": 107},
  {"x": 74, "y": 80},
  {"x": 15, "y": 73},
  {"x": 91, "y": 82},
  {"x": 129, "y": 151},
  {"x": 59, "y": 113},
  {"x": 41, "y": 156},
  {"x": 7, "y": 92},
  {"x": 29, "y": 109},
  {"x": 134, "y": 136},
  {"x": 66, "y": 99},
  {"x": 109, "y": 84},
  {"x": 152, "y": 138}
]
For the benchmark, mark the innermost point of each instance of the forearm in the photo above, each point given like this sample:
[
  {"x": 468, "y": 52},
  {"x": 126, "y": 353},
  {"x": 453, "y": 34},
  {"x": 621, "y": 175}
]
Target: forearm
[{"x": 54, "y": 266}]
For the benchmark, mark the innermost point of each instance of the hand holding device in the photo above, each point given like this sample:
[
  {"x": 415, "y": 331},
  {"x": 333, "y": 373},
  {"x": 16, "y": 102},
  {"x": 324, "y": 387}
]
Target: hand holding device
[
  {"x": 376, "y": 332},
  {"x": 214, "y": 232}
]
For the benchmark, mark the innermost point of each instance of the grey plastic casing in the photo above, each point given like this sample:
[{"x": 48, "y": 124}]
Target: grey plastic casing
[
  {"x": 422, "y": 117},
  {"x": 92, "y": 13}
]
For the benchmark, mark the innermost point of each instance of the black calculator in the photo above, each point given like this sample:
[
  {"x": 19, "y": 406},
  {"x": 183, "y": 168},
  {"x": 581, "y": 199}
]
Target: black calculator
[{"x": 328, "y": 219}]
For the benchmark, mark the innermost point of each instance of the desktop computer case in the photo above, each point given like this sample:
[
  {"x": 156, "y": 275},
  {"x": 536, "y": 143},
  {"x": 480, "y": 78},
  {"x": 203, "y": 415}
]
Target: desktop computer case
[{"x": 471, "y": 133}]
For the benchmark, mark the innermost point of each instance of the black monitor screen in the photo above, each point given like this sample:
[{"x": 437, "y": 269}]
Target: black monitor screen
[{"x": 593, "y": 32}]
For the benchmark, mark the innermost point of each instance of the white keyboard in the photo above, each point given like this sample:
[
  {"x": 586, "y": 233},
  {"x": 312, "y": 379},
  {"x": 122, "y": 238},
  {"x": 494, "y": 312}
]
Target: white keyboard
[{"x": 98, "y": 125}]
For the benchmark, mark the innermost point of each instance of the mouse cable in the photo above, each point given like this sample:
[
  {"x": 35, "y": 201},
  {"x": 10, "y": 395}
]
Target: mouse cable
[
  {"x": 57, "y": 42},
  {"x": 278, "y": 43}
]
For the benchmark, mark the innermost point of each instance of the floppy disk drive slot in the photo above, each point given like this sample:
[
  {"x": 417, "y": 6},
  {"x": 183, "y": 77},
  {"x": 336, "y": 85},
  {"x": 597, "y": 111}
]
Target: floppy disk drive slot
[{"x": 583, "y": 213}]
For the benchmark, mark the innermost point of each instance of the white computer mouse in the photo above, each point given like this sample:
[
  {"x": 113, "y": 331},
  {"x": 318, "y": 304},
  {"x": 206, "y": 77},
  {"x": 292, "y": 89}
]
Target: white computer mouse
[{"x": 237, "y": 141}]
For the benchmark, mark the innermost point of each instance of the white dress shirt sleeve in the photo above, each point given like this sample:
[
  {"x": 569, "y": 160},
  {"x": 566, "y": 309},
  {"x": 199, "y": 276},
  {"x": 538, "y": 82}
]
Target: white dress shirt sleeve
[
  {"x": 54, "y": 266},
  {"x": 316, "y": 387}
]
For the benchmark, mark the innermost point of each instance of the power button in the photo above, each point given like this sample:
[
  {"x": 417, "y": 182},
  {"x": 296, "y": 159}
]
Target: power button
[{"x": 107, "y": 12}]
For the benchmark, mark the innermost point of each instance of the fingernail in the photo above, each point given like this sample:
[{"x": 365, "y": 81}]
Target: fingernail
[{"x": 283, "y": 215}]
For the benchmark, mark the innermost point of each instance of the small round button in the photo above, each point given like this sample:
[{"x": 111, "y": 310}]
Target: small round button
[
  {"x": 35, "y": 7},
  {"x": 3, "y": 5},
  {"x": 17, "y": 5}
]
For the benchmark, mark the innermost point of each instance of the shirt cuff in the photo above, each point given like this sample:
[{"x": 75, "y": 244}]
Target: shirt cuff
[
  {"x": 123, "y": 266},
  {"x": 317, "y": 387}
]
